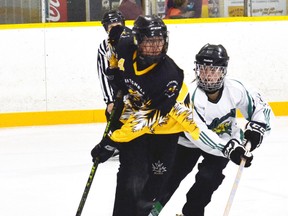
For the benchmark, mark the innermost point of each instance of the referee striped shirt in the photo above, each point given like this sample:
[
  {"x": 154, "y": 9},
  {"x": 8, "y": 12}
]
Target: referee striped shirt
[{"x": 102, "y": 64}]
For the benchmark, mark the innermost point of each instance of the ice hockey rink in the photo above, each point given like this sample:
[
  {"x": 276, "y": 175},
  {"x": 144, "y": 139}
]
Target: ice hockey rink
[{"x": 44, "y": 170}]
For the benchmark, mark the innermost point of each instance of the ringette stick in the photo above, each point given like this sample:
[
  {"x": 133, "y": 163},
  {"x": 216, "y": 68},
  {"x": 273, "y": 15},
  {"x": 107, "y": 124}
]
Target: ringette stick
[
  {"x": 116, "y": 111},
  {"x": 87, "y": 187},
  {"x": 236, "y": 183}
]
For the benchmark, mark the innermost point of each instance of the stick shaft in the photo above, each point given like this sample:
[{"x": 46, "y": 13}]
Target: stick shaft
[
  {"x": 236, "y": 183},
  {"x": 87, "y": 188},
  {"x": 234, "y": 188},
  {"x": 116, "y": 111}
]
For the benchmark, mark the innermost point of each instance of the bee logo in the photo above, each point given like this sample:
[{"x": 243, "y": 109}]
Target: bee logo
[{"x": 172, "y": 88}]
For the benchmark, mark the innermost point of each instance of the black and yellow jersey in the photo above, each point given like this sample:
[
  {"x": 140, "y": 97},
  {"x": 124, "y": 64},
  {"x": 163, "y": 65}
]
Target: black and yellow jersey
[
  {"x": 155, "y": 100},
  {"x": 154, "y": 87}
]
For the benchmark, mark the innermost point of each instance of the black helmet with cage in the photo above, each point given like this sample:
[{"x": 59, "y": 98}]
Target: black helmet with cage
[
  {"x": 112, "y": 16},
  {"x": 153, "y": 32},
  {"x": 211, "y": 67}
]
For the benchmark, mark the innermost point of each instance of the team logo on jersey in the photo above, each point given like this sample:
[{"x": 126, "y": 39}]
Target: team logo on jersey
[
  {"x": 223, "y": 125},
  {"x": 223, "y": 128},
  {"x": 158, "y": 168},
  {"x": 172, "y": 88},
  {"x": 144, "y": 117},
  {"x": 135, "y": 98}
]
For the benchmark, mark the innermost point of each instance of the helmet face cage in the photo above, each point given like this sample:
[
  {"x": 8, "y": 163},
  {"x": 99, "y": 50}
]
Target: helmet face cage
[
  {"x": 211, "y": 67},
  {"x": 112, "y": 16},
  {"x": 210, "y": 78},
  {"x": 151, "y": 38},
  {"x": 153, "y": 45}
]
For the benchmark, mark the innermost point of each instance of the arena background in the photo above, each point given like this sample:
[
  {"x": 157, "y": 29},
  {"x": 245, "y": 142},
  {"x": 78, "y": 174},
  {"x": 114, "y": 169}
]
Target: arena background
[{"x": 48, "y": 70}]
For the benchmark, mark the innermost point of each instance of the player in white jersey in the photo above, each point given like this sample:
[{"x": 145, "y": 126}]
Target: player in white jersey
[{"x": 215, "y": 100}]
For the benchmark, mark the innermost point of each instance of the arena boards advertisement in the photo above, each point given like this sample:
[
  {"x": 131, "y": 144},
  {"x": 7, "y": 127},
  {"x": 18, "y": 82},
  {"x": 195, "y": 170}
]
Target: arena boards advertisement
[
  {"x": 57, "y": 11},
  {"x": 233, "y": 8}
]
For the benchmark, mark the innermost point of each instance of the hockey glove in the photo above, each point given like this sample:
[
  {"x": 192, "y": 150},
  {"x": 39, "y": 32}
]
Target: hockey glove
[
  {"x": 254, "y": 134},
  {"x": 235, "y": 152},
  {"x": 115, "y": 80},
  {"x": 104, "y": 150},
  {"x": 114, "y": 34}
]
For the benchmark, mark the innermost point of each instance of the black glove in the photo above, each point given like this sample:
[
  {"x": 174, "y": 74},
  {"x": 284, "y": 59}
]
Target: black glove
[
  {"x": 254, "y": 133},
  {"x": 116, "y": 80},
  {"x": 235, "y": 152},
  {"x": 104, "y": 150},
  {"x": 114, "y": 34}
]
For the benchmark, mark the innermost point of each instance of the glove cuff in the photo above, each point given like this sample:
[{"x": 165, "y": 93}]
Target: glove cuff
[
  {"x": 254, "y": 133},
  {"x": 256, "y": 126}
]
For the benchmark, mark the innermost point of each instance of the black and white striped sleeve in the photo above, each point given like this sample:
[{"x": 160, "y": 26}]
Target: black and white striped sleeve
[{"x": 102, "y": 64}]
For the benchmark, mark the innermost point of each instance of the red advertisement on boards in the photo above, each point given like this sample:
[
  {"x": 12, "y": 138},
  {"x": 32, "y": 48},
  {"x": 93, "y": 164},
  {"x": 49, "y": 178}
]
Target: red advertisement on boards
[{"x": 57, "y": 11}]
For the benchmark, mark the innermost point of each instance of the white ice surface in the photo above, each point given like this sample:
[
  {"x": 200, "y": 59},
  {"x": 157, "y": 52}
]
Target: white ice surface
[{"x": 43, "y": 172}]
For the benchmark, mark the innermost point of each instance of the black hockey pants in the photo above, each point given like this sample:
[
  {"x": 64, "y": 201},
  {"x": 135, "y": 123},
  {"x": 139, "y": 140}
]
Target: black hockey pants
[
  {"x": 145, "y": 165},
  {"x": 207, "y": 180}
]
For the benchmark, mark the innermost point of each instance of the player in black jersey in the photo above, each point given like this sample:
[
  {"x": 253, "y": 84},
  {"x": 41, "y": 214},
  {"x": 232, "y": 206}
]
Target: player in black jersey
[
  {"x": 155, "y": 112},
  {"x": 153, "y": 81}
]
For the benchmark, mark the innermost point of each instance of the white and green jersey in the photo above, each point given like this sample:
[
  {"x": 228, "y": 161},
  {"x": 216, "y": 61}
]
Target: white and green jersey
[{"x": 220, "y": 116}]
